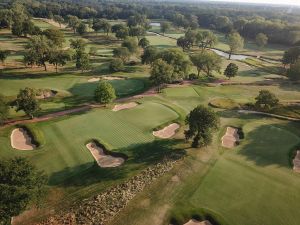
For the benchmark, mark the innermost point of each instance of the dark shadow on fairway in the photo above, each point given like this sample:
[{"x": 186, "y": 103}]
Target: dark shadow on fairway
[
  {"x": 139, "y": 157},
  {"x": 270, "y": 145}
]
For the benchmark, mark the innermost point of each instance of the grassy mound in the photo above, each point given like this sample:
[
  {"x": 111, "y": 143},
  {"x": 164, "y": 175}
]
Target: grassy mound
[{"x": 224, "y": 103}]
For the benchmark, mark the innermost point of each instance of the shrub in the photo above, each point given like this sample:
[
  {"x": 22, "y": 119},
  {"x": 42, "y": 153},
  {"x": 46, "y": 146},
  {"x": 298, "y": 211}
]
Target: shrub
[
  {"x": 105, "y": 93},
  {"x": 116, "y": 65}
]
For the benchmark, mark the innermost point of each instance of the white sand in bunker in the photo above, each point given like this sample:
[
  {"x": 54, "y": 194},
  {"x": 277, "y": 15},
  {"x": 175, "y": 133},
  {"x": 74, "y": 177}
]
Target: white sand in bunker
[
  {"x": 96, "y": 79},
  {"x": 296, "y": 162},
  {"x": 102, "y": 159},
  {"x": 124, "y": 106},
  {"x": 196, "y": 222},
  {"x": 167, "y": 132},
  {"x": 231, "y": 138},
  {"x": 21, "y": 140}
]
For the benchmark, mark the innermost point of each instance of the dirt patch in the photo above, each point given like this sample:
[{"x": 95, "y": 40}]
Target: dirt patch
[
  {"x": 21, "y": 140},
  {"x": 196, "y": 222},
  {"x": 124, "y": 106},
  {"x": 231, "y": 138},
  {"x": 296, "y": 162},
  {"x": 44, "y": 94},
  {"x": 175, "y": 178},
  {"x": 102, "y": 158},
  {"x": 167, "y": 132}
]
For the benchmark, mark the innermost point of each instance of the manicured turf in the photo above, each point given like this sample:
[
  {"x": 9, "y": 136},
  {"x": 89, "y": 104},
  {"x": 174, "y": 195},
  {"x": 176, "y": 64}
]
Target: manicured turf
[
  {"x": 65, "y": 139},
  {"x": 256, "y": 178}
]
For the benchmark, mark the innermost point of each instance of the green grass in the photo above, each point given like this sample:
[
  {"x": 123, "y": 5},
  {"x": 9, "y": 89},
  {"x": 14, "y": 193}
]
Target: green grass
[
  {"x": 256, "y": 178},
  {"x": 65, "y": 138}
]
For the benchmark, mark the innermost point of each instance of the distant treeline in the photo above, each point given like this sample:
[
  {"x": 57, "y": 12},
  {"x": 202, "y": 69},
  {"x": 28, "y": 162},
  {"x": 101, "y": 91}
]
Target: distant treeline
[{"x": 280, "y": 24}]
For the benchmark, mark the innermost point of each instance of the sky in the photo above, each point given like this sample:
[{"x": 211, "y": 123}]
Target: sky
[{"x": 286, "y": 2}]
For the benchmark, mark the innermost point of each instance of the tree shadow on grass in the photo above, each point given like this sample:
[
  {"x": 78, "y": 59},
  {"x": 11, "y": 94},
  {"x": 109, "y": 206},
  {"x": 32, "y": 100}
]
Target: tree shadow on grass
[
  {"x": 139, "y": 157},
  {"x": 270, "y": 145}
]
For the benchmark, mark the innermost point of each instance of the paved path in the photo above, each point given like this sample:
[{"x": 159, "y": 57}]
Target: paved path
[{"x": 268, "y": 114}]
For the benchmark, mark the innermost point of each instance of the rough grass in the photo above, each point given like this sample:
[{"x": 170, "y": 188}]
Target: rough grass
[{"x": 224, "y": 103}]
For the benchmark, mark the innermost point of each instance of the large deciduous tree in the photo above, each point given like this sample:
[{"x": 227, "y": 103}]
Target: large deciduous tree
[
  {"x": 27, "y": 102},
  {"x": 165, "y": 26},
  {"x": 206, "y": 39},
  {"x": 291, "y": 55},
  {"x": 21, "y": 184},
  {"x": 131, "y": 44},
  {"x": 161, "y": 73},
  {"x": 293, "y": 72},
  {"x": 235, "y": 42},
  {"x": 266, "y": 100},
  {"x": 122, "y": 53},
  {"x": 104, "y": 93},
  {"x": 207, "y": 62},
  {"x": 38, "y": 51},
  {"x": 202, "y": 122},
  {"x": 116, "y": 65},
  {"x": 55, "y": 35},
  {"x": 261, "y": 39},
  {"x": 149, "y": 55}
]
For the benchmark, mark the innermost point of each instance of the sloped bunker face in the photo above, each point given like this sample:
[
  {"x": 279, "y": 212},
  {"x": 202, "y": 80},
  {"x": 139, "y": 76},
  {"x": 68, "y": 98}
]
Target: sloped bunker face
[
  {"x": 124, "y": 106},
  {"x": 103, "y": 157},
  {"x": 196, "y": 222},
  {"x": 22, "y": 140},
  {"x": 167, "y": 132},
  {"x": 231, "y": 138}
]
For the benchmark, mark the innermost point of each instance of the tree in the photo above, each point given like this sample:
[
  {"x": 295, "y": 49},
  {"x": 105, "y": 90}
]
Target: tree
[
  {"x": 77, "y": 44},
  {"x": 21, "y": 185},
  {"x": 293, "y": 72},
  {"x": 102, "y": 24},
  {"x": 206, "y": 39},
  {"x": 59, "y": 57},
  {"x": 235, "y": 42},
  {"x": 3, "y": 55},
  {"x": 291, "y": 55},
  {"x": 261, "y": 39},
  {"x": 38, "y": 51},
  {"x": 137, "y": 31},
  {"x": 161, "y": 73},
  {"x": 149, "y": 55},
  {"x": 73, "y": 22},
  {"x": 131, "y": 44},
  {"x": 178, "y": 59},
  {"x": 116, "y": 65},
  {"x": 105, "y": 93},
  {"x": 55, "y": 35},
  {"x": 83, "y": 61},
  {"x": 231, "y": 70},
  {"x": 81, "y": 28},
  {"x": 184, "y": 43},
  {"x": 164, "y": 27},
  {"x": 144, "y": 43},
  {"x": 206, "y": 61},
  {"x": 26, "y": 101},
  {"x": 202, "y": 122},
  {"x": 266, "y": 100},
  {"x": 60, "y": 20},
  {"x": 122, "y": 53},
  {"x": 4, "y": 109},
  {"x": 122, "y": 33}
]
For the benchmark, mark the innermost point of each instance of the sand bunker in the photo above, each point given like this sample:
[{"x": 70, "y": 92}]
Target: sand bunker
[
  {"x": 94, "y": 79},
  {"x": 103, "y": 159},
  {"x": 195, "y": 222},
  {"x": 124, "y": 106},
  {"x": 231, "y": 138},
  {"x": 21, "y": 140},
  {"x": 296, "y": 162},
  {"x": 113, "y": 78},
  {"x": 46, "y": 94},
  {"x": 167, "y": 132}
]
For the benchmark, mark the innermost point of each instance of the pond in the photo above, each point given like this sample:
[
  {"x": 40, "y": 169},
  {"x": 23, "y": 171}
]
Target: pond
[{"x": 233, "y": 56}]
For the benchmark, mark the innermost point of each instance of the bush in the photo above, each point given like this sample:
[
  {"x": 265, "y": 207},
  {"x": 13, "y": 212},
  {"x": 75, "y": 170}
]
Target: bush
[
  {"x": 105, "y": 93},
  {"x": 116, "y": 65},
  {"x": 193, "y": 76}
]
